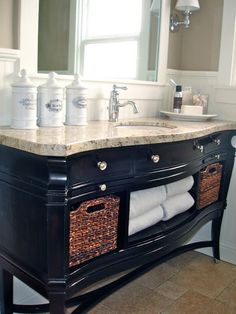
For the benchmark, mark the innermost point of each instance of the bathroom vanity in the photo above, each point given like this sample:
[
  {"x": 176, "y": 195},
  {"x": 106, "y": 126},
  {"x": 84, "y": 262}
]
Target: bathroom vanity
[{"x": 65, "y": 196}]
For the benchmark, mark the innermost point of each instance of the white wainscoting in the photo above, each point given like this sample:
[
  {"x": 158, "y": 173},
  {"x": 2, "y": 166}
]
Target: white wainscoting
[
  {"x": 9, "y": 65},
  {"x": 204, "y": 82},
  {"x": 225, "y": 102},
  {"x": 149, "y": 96},
  {"x": 222, "y": 101}
]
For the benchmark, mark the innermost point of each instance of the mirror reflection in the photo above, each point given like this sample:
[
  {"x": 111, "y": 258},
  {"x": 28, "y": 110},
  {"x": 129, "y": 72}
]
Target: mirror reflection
[{"x": 100, "y": 39}]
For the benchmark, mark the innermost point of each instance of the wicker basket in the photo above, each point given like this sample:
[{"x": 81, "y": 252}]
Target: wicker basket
[
  {"x": 93, "y": 229},
  {"x": 209, "y": 185}
]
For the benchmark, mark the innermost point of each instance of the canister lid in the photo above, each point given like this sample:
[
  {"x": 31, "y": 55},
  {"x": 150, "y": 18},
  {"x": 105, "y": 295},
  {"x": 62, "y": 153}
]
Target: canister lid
[
  {"x": 51, "y": 82},
  {"x": 24, "y": 80},
  {"x": 77, "y": 83}
]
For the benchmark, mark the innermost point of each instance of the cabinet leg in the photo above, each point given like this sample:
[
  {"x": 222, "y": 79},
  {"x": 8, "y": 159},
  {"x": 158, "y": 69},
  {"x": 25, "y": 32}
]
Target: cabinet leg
[
  {"x": 215, "y": 235},
  {"x": 6, "y": 292},
  {"x": 57, "y": 303}
]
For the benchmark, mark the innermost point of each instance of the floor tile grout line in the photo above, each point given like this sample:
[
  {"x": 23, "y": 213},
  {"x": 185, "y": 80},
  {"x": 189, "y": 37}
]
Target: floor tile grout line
[{"x": 225, "y": 288}]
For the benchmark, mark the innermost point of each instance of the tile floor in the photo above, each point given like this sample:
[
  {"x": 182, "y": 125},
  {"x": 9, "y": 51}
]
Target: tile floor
[{"x": 188, "y": 284}]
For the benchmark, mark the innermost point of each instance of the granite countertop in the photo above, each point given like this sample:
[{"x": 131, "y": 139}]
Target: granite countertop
[{"x": 68, "y": 140}]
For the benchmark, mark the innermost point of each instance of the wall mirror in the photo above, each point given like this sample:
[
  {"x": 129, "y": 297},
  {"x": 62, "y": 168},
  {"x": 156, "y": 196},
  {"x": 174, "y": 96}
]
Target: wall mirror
[{"x": 100, "y": 39}]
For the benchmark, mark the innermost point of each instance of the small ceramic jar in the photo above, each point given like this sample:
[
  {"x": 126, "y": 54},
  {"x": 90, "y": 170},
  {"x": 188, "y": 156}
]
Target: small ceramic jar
[
  {"x": 24, "y": 107},
  {"x": 50, "y": 103},
  {"x": 76, "y": 103}
]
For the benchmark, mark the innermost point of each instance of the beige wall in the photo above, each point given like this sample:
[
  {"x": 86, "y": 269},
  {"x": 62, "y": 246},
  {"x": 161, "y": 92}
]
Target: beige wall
[
  {"x": 9, "y": 24},
  {"x": 198, "y": 48},
  {"x": 53, "y": 37},
  {"x": 175, "y": 45}
]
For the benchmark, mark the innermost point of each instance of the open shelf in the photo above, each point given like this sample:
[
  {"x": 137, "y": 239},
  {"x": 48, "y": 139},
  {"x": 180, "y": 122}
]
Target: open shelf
[{"x": 164, "y": 228}]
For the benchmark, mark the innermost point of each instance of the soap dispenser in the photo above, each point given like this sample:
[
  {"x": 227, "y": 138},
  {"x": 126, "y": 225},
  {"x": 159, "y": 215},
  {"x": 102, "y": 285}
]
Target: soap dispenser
[
  {"x": 50, "y": 103},
  {"x": 178, "y": 98},
  {"x": 24, "y": 106},
  {"x": 76, "y": 102}
]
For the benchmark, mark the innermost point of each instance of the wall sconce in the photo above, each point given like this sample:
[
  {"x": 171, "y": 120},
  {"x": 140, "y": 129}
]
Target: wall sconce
[{"x": 186, "y": 7}]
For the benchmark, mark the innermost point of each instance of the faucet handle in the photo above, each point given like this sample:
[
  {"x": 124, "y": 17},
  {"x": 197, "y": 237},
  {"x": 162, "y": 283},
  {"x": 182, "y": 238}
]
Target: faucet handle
[{"x": 115, "y": 87}]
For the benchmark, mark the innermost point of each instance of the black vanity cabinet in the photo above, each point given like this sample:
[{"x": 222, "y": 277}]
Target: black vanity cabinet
[{"x": 64, "y": 220}]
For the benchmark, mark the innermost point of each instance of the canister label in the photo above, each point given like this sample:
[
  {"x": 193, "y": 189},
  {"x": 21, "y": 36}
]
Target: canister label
[
  {"x": 79, "y": 102},
  {"x": 28, "y": 103},
  {"x": 54, "y": 105}
]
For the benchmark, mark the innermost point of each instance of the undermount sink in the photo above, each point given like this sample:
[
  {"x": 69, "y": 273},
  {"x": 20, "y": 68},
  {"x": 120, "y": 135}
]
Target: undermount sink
[{"x": 153, "y": 126}]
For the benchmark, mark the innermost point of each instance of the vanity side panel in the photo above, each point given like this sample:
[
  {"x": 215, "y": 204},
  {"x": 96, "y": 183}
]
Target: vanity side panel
[
  {"x": 23, "y": 212},
  {"x": 23, "y": 229}
]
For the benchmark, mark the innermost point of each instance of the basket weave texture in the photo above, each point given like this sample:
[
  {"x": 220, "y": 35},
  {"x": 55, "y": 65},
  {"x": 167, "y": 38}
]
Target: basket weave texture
[
  {"x": 209, "y": 185},
  {"x": 93, "y": 229}
]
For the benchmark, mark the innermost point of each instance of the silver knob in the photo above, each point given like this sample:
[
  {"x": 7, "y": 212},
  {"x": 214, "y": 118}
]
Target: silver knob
[
  {"x": 217, "y": 141},
  {"x": 217, "y": 156},
  {"x": 200, "y": 147},
  {"x": 155, "y": 158},
  {"x": 102, "y": 165},
  {"x": 103, "y": 187}
]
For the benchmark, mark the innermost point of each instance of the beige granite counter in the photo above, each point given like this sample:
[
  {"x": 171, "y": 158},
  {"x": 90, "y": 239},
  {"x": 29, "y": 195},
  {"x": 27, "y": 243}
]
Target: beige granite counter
[{"x": 68, "y": 140}]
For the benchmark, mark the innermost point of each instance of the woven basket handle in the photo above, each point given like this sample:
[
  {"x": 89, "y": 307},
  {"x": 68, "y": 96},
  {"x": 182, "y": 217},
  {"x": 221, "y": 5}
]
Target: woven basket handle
[
  {"x": 96, "y": 207},
  {"x": 212, "y": 169}
]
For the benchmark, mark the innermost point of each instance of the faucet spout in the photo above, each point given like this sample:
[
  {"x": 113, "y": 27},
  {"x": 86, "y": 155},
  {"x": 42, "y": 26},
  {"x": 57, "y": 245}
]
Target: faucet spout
[{"x": 130, "y": 102}]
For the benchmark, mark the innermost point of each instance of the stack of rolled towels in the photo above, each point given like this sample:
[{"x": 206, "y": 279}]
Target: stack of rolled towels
[{"x": 149, "y": 206}]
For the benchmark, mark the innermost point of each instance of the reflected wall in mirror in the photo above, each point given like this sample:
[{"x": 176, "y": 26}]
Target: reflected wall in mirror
[{"x": 100, "y": 39}]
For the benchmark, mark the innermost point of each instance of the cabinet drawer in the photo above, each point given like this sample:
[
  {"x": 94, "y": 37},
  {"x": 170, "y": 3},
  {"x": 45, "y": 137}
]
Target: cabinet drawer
[
  {"x": 167, "y": 155},
  {"x": 100, "y": 166}
]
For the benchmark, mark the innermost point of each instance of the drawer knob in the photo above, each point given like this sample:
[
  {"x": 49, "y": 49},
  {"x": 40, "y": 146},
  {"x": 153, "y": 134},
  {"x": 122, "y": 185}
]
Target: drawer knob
[
  {"x": 155, "y": 158},
  {"x": 200, "y": 147},
  {"x": 103, "y": 187},
  {"x": 217, "y": 141},
  {"x": 102, "y": 165}
]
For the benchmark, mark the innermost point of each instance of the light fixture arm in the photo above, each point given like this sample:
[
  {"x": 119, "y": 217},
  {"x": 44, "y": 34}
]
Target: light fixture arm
[{"x": 175, "y": 23}]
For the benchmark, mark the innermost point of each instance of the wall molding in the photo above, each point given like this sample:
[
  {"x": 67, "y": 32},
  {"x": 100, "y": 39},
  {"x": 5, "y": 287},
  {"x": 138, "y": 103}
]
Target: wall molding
[
  {"x": 195, "y": 74},
  {"x": 228, "y": 253},
  {"x": 9, "y": 54}
]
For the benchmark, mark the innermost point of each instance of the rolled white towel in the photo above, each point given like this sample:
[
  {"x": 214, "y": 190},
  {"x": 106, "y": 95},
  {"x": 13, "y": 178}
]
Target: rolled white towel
[
  {"x": 145, "y": 200},
  {"x": 177, "y": 204},
  {"x": 179, "y": 186},
  {"x": 146, "y": 220}
]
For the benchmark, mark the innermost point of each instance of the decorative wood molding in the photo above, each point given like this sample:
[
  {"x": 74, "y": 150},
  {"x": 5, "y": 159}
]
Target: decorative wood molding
[
  {"x": 195, "y": 74},
  {"x": 9, "y": 53}
]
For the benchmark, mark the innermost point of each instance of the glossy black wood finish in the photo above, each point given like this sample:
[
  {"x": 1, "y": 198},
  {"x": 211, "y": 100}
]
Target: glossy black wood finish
[
  {"x": 37, "y": 194},
  {"x": 6, "y": 293}
]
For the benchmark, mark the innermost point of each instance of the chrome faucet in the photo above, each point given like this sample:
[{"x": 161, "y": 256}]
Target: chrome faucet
[{"x": 114, "y": 104}]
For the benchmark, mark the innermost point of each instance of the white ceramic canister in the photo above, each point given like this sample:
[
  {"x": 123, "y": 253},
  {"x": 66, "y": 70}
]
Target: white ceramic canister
[
  {"x": 76, "y": 103},
  {"x": 50, "y": 102},
  {"x": 24, "y": 107}
]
